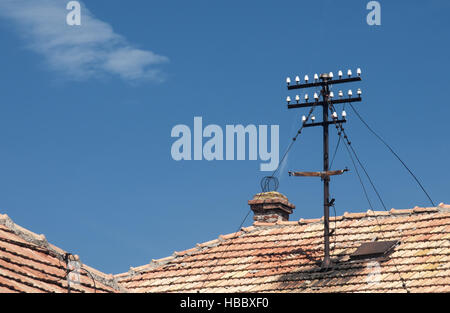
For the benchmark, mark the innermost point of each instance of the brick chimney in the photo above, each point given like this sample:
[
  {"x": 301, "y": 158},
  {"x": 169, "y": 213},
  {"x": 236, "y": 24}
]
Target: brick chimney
[{"x": 270, "y": 207}]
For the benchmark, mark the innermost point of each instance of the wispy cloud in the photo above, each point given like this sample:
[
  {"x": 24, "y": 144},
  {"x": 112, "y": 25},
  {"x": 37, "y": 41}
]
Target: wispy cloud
[{"x": 91, "y": 49}]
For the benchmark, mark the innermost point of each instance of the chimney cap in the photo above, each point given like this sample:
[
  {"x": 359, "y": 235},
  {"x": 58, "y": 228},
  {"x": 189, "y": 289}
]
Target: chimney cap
[
  {"x": 269, "y": 195},
  {"x": 271, "y": 206}
]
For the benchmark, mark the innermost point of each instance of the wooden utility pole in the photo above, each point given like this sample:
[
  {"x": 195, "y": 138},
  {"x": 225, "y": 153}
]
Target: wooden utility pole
[{"x": 327, "y": 103}]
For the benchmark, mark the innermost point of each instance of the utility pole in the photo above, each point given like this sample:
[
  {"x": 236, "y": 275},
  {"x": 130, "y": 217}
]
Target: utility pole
[
  {"x": 326, "y": 179},
  {"x": 327, "y": 103}
]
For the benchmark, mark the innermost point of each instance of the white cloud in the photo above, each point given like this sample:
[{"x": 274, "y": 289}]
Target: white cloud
[{"x": 91, "y": 49}]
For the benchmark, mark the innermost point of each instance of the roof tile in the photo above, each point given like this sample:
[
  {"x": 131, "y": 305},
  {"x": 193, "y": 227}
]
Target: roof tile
[
  {"x": 28, "y": 263},
  {"x": 285, "y": 256}
]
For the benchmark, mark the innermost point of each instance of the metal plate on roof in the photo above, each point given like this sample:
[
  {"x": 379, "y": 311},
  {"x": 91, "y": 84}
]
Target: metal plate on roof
[{"x": 373, "y": 249}]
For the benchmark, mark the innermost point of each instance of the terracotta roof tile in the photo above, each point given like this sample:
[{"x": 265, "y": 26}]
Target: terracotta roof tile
[
  {"x": 286, "y": 256},
  {"x": 28, "y": 263},
  {"x": 265, "y": 257}
]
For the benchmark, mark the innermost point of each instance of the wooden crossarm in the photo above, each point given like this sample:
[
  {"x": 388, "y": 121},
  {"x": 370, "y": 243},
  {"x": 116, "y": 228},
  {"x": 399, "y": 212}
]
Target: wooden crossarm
[{"x": 318, "y": 174}]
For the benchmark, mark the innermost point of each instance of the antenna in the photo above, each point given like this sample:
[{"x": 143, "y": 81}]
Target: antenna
[{"x": 327, "y": 102}]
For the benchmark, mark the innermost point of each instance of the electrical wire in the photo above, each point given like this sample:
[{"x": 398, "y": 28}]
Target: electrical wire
[
  {"x": 350, "y": 150},
  {"x": 359, "y": 177},
  {"x": 376, "y": 218},
  {"x": 360, "y": 181},
  {"x": 294, "y": 139},
  {"x": 92, "y": 277},
  {"x": 335, "y": 151},
  {"x": 240, "y": 226},
  {"x": 275, "y": 172},
  {"x": 67, "y": 256},
  {"x": 348, "y": 143},
  {"x": 393, "y": 152},
  {"x": 368, "y": 177}
]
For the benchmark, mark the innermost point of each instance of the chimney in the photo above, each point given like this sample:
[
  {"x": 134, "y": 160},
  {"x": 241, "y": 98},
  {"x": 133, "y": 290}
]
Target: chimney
[{"x": 270, "y": 207}]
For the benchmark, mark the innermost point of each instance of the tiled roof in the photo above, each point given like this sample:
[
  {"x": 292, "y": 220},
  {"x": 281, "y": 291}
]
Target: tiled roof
[
  {"x": 285, "y": 257},
  {"x": 28, "y": 263}
]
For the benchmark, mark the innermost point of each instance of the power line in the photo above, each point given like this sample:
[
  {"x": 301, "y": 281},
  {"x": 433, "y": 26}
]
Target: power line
[
  {"x": 275, "y": 172},
  {"x": 92, "y": 278},
  {"x": 348, "y": 143},
  {"x": 335, "y": 151},
  {"x": 225, "y": 250},
  {"x": 357, "y": 173},
  {"x": 67, "y": 258},
  {"x": 294, "y": 139},
  {"x": 393, "y": 152},
  {"x": 354, "y": 165},
  {"x": 368, "y": 176}
]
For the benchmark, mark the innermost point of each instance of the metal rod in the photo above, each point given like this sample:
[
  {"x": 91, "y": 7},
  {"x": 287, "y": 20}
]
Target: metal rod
[
  {"x": 310, "y": 104},
  {"x": 325, "y": 83},
  {"x": 322, "y": 123}
]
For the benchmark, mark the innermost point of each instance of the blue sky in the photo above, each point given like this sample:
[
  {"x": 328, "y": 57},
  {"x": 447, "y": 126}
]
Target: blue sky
[{"x": 86, "y": 114}]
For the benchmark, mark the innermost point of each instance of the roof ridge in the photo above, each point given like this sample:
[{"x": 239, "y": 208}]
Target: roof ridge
[
  {"x": 42, "y": 242},
  {"x": 176, "y": 255},
  {"x": 27, "y": 235},
  {"x": 442, "y": 208},
  {"x": 154, "y": 263}
]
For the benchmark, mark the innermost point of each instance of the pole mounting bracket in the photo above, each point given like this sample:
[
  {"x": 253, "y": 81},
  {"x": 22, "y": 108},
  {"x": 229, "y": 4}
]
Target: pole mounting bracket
[{"x": 322, "y": 174}]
